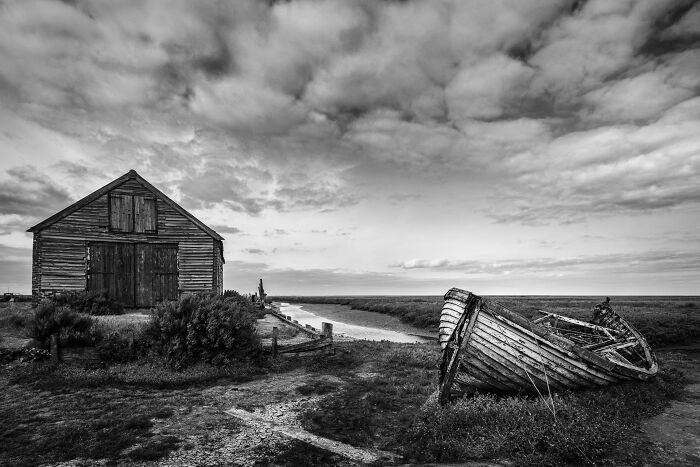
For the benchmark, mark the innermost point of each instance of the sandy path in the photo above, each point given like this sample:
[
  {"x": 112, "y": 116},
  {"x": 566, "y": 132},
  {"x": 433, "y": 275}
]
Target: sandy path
[
  {"x": 677, "y": 430},
  {"x": 264, "y": 417}
]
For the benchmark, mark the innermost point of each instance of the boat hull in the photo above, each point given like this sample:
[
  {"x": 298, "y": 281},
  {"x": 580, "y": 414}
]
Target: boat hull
[{"x": 489, "y": 348}]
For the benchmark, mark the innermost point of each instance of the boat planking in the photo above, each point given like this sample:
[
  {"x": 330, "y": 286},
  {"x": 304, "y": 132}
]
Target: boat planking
[{"x": 488, "y": 348}]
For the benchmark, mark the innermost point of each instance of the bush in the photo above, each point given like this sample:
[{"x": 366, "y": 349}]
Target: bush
[
  {"x": 91, "y": 303},
  {"x": 205, "y": 327},
  {"x": 15, "y": 320},
  {"x": 73, "y": 328}
]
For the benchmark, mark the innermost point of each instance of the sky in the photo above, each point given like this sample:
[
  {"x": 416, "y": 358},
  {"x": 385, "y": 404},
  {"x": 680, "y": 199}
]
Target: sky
[{"x": 372, "y": 147}]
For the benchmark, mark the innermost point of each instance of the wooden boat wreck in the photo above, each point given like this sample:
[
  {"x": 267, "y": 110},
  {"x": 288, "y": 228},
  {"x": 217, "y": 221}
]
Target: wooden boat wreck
[{"x": 487, "y": 347}]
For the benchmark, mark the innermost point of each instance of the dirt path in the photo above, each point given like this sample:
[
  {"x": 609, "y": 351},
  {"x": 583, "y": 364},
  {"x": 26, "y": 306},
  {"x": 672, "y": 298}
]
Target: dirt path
[
  {"x": 265, "y": 418},
  {"x": 676, "y": 432}
]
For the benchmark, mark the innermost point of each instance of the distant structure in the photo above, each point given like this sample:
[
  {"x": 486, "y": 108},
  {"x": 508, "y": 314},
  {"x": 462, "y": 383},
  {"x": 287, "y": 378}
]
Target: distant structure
[
  {"x": 128, "y": 239},
  {"x": 261, "y": 294}
]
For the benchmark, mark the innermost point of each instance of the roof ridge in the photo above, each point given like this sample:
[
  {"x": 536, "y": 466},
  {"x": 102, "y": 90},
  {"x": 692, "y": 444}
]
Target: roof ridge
[{"x": 131, "y": 174}]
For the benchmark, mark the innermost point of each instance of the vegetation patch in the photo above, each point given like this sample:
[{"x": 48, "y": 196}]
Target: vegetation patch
[
  {"x": 49, "y": 427},
  {"x": 297, "y": 453},
  {"x": 205, "y": 328},
  {"x": 389, "y": 411},
  {"x": 90, "y": 303},
  {"x": 372, "y": 411},
  {"x": 318, "y": 386},
  {"x": 15, "y": 319},
  {"x": 151, "y": 373},
  {"x": 71, "y": 327}
]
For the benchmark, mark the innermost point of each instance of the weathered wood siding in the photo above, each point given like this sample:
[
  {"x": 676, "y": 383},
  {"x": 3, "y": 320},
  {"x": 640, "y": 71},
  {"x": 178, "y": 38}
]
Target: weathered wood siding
[
  {"x": 218, "y": 273},
  {"x": 61, "y": 249}
]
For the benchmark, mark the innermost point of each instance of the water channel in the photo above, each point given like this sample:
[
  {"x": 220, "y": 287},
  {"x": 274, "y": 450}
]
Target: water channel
[{"x": 358, "y": 324}]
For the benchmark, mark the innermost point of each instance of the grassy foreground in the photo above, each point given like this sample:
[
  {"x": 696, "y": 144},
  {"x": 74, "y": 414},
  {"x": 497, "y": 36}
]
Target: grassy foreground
[
  {"x": 387, "y": 405},
  {"x": 53, "y": 414},
  {"x": 378, "y": 396}
]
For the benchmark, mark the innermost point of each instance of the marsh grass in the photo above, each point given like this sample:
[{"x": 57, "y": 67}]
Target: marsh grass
[
  {"x": 151, "y": 373},
  {"x": 383, "y": 405},
  {"x": 15, "y": 319},
  {"x": 61, "y": 425},
  {"x": 589, "y": 427},
  {"x": 382, "y": 392}
]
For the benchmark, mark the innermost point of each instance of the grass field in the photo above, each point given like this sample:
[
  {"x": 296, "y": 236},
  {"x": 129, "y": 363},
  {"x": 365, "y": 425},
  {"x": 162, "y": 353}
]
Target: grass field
[
  {"x": 378, "y": 396},
  {"x": 664, "y": 321}
]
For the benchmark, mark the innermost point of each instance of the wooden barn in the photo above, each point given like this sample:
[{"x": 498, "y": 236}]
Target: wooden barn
[{"x": 129, "y": 239}]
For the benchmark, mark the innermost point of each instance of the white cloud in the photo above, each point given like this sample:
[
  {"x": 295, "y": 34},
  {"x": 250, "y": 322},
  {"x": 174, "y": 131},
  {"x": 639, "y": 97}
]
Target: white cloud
[{"x": 641, "y": 97}]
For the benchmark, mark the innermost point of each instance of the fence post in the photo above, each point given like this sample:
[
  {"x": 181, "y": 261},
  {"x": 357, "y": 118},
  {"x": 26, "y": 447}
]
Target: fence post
[
  {"x": 328, "y": 330},
  {"x": 328, "y": 334},
  {"x": 55, "y": 357},
  {"x": 275, "y": 334}
]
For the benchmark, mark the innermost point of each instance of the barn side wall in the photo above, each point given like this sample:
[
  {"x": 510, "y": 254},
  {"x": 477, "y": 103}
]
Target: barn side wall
[
  {"x": 63, "y": 248},
  {"x": 218, "y": 273}
]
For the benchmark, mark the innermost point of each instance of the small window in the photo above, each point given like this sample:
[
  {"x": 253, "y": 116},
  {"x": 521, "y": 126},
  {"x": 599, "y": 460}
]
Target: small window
[{"x": 129, "y": 213}]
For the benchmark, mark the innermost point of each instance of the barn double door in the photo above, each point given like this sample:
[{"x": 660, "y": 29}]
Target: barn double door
[{"x": 136, "y": 274}]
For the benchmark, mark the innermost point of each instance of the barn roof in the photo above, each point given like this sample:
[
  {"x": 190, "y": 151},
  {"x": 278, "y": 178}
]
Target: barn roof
[{"x": 131, "y": 174}]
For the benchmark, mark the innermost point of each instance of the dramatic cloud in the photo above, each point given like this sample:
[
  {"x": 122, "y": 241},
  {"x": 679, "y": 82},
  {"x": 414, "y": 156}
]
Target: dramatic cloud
[
  {"x": 261, "y": 115},
  {"x": 28, "y": 192}
]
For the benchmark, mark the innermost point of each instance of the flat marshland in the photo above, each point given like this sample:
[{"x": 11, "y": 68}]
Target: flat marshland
[{"x": 373, "y": 395}]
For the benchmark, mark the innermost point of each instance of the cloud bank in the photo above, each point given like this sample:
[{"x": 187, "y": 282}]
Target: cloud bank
[{"x": 551, "y": 112}]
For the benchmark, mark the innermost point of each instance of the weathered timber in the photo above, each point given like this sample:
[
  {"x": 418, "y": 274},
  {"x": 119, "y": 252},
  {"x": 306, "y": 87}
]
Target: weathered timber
[
  {"x": 488, "y": 347},
  {"x": 305, "y": 328},
  {"x": 129, "y": 239},
  {"x": 308, "y": 346}
]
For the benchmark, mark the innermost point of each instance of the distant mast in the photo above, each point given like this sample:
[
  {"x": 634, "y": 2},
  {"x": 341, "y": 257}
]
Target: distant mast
[{"x": 261, "y": 294}]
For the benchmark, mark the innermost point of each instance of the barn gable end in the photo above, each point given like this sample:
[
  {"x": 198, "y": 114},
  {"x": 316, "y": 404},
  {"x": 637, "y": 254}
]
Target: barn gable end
[{"x": 130, "y": 239}]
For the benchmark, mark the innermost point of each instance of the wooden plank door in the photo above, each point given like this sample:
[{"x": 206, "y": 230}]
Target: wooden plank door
[
  {"x": 144, "y": 275},
  {"x": 138, "y": 274},
  {"x": 165, "y": 280},
  {"x": 124, "y": 263},
  {"x": 100, "y": 269},
  {"x": 111, "y": 269}
]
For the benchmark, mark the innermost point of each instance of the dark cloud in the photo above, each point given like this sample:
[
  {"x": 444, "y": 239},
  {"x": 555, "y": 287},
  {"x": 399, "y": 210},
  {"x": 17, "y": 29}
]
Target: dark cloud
[
  {"x": 255, "y": 251},
  {"x": 29, "y": 192},
  {"x": 573, "y": 108}
]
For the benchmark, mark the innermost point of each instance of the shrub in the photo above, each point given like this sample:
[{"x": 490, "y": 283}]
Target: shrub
[
  {"x": 15, "y": 320},
  {"x": 119, "y": 349},
  {"x": 91, "y": 303},
  {"x": 120, "y": 339},
  {"x": 73, "y": 328},
  {"x": 205, "y": 327}
]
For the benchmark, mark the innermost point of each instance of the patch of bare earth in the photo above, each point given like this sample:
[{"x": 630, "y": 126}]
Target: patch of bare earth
[
  {"x": 263, "y": 421},
  {"x": 676, "y": 432}
]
